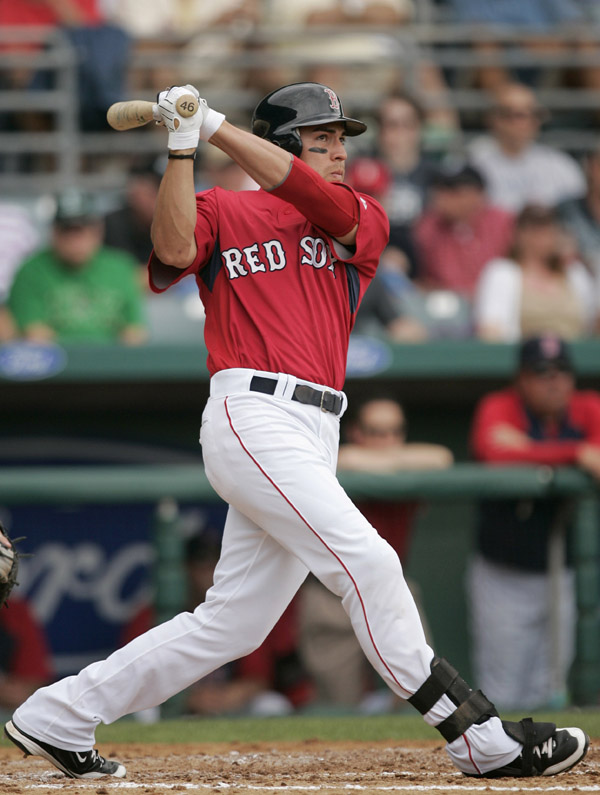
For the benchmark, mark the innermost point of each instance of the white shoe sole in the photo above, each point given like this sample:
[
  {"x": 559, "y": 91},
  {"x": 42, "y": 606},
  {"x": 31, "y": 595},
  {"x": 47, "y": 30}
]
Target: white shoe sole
[
  {"x": 583, "y": 742},
  {"x": 29, "y": 746}
]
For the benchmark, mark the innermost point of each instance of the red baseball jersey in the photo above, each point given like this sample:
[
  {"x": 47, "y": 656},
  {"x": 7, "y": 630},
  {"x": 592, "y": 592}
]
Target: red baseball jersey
[
  {"x": 279, "y": 294},
  {"x": 552, "y": 444}
]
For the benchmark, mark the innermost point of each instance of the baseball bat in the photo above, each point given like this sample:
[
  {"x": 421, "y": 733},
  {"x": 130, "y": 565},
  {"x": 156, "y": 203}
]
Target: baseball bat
[{"x": 137, "y": 112}]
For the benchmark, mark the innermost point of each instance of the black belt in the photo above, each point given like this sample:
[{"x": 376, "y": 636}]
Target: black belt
[{"x": 323, "y": 398}]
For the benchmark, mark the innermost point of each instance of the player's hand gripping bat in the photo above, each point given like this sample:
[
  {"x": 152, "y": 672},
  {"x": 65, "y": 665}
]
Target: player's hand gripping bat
[{"x": 137, "y": 112}]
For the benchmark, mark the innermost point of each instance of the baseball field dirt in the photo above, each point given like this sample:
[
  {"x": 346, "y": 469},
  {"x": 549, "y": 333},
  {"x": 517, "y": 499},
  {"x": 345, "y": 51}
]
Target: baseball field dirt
[{"x": 310, "y": 766}]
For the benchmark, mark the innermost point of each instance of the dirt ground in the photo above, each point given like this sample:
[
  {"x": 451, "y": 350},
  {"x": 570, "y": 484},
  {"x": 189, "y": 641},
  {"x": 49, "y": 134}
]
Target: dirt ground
[{"x": 307, "y": 767}]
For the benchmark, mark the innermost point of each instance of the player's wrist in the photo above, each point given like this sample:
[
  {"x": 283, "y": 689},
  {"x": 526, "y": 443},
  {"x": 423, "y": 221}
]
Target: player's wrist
[
  {"x": 211, "y": 122},
  {"x": 188, "y": 151}
]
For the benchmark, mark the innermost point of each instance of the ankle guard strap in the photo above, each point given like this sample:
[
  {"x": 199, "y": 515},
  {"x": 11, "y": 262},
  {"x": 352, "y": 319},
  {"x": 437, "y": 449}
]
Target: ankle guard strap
[
  {"x": 529, "y": 734},
  {"x": 472, "y": 705}
]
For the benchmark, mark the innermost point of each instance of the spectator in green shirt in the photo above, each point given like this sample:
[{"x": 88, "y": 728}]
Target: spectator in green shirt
[{"x": 76, "y": 289}]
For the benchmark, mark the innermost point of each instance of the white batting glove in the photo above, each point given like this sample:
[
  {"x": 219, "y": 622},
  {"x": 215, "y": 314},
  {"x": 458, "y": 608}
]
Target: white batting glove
[{"x": 184, "y": 133}]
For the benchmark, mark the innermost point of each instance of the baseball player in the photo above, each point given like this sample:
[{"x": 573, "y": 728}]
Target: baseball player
[{"x": 281, "y": 272}]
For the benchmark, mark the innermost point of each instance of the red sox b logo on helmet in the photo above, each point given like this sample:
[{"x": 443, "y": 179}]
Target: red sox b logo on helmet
[
  {"x": 550, "y": 346},
  {"x": 333, "y": 99}
]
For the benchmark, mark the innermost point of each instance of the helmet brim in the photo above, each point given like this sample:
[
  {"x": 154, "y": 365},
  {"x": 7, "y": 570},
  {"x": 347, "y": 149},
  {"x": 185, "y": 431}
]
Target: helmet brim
[{"x": 352, "y": 126}]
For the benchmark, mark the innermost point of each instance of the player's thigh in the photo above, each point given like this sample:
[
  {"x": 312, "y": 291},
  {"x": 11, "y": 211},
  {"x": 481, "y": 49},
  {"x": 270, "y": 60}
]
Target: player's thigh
[
  {"x": 255, "y": 578},
  {"x": 276, "y": 464}
]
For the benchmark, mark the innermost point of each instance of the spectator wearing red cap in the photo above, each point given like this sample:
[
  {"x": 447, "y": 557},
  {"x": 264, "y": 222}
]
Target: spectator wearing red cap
[{"x": 541, "y": 419}]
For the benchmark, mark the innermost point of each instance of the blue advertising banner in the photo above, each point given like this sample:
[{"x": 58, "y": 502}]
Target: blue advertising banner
[{"x": 89, "y": 570}]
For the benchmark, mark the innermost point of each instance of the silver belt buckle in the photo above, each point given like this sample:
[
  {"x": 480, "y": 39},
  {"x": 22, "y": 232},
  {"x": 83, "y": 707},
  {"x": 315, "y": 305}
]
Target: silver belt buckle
[{"x": 323, "y": 394}]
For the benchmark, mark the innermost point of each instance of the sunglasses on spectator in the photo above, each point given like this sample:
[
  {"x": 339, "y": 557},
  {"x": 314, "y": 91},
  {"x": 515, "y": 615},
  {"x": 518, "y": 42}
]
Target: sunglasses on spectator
[
  {"x": 549, "y": 370},
  {"x": 71, "y": 228},
  {"x": 405, "y": 124},
  {"x": 380, "y": 433},
  {"x": 512, "y": 114}
]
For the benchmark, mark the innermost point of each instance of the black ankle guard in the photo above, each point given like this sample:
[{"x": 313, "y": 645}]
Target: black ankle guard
[
  {"x": 472, "y": 705},
  {"x": 529, "y": 734}
]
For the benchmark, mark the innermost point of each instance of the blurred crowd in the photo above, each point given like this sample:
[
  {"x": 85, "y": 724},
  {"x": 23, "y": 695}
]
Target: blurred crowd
[
  {"x": 499, "y": 241},
  {"x": 495, "y": 235}
]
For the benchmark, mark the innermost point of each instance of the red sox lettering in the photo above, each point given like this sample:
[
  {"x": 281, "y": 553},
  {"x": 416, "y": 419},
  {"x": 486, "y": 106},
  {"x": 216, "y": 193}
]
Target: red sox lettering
[
  {"x": 241, "y": 262},
  {"x": 317, "y": 253},
  {"x": 271, "y": 256}
]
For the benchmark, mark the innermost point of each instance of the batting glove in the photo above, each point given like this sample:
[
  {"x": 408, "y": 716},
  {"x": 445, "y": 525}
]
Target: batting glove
[{"x": 184, "y": 133}]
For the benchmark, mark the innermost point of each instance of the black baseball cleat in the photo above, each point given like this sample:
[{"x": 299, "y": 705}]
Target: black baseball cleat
[
  {"x": 88, "y": 764},
  {"x": 546, "y": 749}
]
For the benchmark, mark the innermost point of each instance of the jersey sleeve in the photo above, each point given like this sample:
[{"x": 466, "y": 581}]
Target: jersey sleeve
[
  {"x": 371, "y": 238},
  {"x": 162, "y": 276},
  {"x": 335, "y": 209}
]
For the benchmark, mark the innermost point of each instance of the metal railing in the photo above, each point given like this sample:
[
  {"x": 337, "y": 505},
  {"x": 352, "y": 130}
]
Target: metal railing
[
  {"x": 43, "y": 49},
  {"x": 449, "y": 46}
]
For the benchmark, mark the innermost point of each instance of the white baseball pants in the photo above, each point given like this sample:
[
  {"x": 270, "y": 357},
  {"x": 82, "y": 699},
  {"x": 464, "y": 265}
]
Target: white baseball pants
[{"x": 273, "y": 460}]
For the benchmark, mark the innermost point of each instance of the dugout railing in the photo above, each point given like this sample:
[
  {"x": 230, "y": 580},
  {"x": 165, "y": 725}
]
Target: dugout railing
[{"x": 166, "y": 485}]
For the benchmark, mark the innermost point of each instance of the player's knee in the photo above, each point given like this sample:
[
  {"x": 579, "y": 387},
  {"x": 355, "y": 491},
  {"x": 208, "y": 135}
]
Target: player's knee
[
  {"x": 378, "y": 570},
  {"x": 244, "y": 649},
  {"x": 373, "y": 566},
  {"x": 251, "y": 641},
  {"x": 383, "y": 561}
]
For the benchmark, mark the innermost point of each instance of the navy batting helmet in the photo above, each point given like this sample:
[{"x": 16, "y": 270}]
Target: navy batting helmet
[{"x": 278, "y": 115}]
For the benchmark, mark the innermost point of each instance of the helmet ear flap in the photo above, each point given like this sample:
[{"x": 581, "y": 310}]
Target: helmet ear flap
[
  {"x": 261, "y": 128},
  {"x": 291, "y": 142}
]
